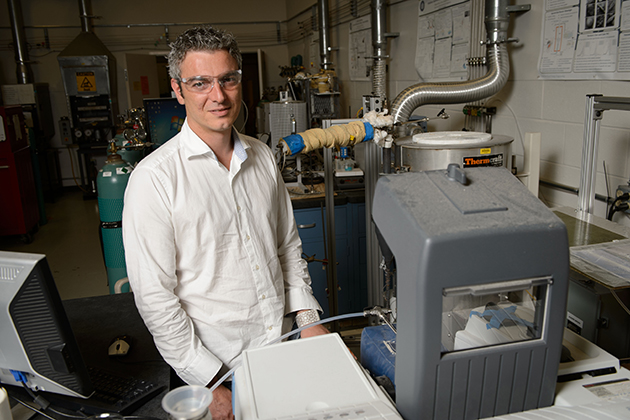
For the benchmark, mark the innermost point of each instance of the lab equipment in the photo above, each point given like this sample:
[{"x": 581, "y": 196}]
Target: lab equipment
[
  {"x": 19, "y": 211},
  {"x": 39, "y": 348},
  {"x": 88, "y": 71},
  {"x": 473, "y": 243},
  {"x": 436, "y": 150},
  {"x": 37, "y": 342},
  {"x": 188, "y": 402},
  {"x": 286, "y": 116},
  {"x": 312, "y": 378}
]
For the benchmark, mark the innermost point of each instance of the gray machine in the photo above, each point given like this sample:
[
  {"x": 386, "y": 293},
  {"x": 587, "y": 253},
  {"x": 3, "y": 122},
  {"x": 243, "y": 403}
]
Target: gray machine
[{"x": 482, "y": 274}]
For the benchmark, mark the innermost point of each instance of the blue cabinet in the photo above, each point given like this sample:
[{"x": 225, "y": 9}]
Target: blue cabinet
[{"x": 350, "y": 254}]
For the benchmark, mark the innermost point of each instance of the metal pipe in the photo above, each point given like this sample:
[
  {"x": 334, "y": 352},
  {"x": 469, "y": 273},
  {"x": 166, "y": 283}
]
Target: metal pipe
[
  {"x": 379, "y": 46},
  {"x": 324, "y": 34},
  {"x": 331, "y": 269},
  {"x": 497, "y": 19},
  {"x": 85, "y": 10},
  {"x": 23, "y": 71}
]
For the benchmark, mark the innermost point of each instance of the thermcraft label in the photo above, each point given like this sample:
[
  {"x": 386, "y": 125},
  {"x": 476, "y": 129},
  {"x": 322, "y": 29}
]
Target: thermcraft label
[{"x": 489, "y": 160}]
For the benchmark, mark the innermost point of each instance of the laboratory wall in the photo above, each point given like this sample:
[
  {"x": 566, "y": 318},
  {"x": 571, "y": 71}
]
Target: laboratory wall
[{"x": 555, "y": 108}]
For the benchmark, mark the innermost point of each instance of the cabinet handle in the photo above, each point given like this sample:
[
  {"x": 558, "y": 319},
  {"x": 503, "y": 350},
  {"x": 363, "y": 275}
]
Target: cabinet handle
[
  {"x": 4, "y": 167},
  {"x": 312, "y": 225}
]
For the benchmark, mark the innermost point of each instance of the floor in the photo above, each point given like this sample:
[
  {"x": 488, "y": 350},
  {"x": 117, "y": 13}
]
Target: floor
[{"x": 70, "y": 241}]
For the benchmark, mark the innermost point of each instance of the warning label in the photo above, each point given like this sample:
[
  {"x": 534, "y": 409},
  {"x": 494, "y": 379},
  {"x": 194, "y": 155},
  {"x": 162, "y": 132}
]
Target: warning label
[
  {"x": 488, "y": 160},
  {"x": 86, "y": 81}
]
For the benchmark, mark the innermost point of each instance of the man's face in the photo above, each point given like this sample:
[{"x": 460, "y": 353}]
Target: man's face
[{"x": 213, "y": 112}]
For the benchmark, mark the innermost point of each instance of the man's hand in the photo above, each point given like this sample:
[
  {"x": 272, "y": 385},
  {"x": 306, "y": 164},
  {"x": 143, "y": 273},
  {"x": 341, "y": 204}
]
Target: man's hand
[
  {"x": 221, "y": 405},
  {"x": 313, "y": 331}
]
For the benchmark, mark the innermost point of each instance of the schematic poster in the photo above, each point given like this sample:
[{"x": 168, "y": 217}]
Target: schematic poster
[
  {"x": 585, "y": 40},
  {"x": 360, "y": 51},
  {"x": 443, "y": 40}
]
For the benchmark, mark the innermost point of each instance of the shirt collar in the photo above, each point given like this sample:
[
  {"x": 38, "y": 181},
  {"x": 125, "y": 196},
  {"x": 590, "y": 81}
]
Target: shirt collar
[{"x": 194, "y": 146}]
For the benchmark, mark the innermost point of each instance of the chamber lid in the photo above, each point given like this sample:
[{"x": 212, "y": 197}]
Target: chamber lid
[{"x": 451, "y": 138}]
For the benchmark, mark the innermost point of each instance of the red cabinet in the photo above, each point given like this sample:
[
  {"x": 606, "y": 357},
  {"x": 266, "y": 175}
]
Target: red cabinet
[{"x": 19, "y": 213}]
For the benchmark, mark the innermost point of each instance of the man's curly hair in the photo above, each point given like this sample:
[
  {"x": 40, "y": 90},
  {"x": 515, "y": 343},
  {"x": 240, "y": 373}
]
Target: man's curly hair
[{"x": 204, "y": 38}]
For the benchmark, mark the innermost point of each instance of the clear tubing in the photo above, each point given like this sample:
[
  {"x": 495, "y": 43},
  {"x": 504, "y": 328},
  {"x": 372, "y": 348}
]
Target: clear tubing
[{"x": 289, "y": 334}]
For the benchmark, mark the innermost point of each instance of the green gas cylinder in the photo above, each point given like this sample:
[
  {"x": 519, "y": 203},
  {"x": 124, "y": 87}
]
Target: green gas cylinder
[{"x": 111, "y": 183}]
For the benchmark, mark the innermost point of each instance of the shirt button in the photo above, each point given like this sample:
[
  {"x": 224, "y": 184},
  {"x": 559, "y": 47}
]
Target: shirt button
[
  {"x": 247, "y": 238},
  {"x": 238, "y": 208},
  {"x": 270, "y": 328},
  {"x": 256, "y": 268},
  {"x": 263, "y": 297}
]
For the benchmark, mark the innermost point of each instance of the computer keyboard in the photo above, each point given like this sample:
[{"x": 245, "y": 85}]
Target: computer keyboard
[{"x": 112, "y": 394}]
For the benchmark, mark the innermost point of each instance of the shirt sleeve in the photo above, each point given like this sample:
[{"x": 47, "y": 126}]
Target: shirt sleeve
[
  {"x": 297, "y": 280},
  {"x": 150, "y": 255}
]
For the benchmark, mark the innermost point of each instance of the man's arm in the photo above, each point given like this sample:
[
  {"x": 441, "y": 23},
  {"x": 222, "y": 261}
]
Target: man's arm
[{"x": 151, "y": 267}]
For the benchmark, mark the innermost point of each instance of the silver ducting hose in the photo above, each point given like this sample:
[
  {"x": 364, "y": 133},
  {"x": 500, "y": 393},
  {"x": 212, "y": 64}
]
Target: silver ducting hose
[
  {"x": 379, "y": 46},
  {"x": 497, "y": 22},
  {"x": 378, "y": 78},
  {"x": 454, "y": 93}
]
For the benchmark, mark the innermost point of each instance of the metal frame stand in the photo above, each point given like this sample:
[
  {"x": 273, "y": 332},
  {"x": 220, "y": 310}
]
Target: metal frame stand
[{"x": 596, "y": 104}]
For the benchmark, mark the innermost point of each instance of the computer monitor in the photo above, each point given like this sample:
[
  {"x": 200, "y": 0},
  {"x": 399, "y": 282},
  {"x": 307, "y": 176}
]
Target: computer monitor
[
  {"x": 165, "y": 117},
  {"x": 37, "y": 345}
]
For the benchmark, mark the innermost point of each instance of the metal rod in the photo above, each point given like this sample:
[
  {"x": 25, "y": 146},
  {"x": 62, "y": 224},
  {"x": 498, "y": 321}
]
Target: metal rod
[
  {"x": 85, "y": 10},
  {"x": 331, "y": 269}
]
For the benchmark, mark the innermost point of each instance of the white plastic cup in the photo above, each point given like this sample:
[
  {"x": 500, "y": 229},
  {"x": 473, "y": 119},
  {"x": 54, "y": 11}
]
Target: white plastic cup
[{"x": 188, "y": 402}]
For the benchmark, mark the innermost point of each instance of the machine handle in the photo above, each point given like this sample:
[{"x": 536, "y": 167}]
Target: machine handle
[{"x": 312, "y": 225}]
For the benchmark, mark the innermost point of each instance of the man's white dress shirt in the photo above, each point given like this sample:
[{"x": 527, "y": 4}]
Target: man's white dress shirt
[{"x": 213, "y": 255}]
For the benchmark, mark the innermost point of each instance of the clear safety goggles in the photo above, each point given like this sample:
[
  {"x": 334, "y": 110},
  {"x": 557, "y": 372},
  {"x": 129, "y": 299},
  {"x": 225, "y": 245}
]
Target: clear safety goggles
[{"x": 205, "y": 84}]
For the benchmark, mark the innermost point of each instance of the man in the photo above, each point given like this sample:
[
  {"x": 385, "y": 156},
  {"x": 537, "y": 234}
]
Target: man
[{"x": 212, "y": 251}]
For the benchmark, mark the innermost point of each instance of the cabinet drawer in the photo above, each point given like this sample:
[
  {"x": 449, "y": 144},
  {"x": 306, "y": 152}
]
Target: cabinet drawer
[{"x": 309, "y": 223}]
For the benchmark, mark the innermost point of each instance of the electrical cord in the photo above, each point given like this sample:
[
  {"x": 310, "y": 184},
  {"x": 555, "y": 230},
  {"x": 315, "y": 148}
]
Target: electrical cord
[
  {"x": 74, "y": 176},
  {"x": 289, "y": 334},
  {"x": 623, "y": 305},
  {"x": 246, "y": 116},
  {"x": 518, "y": 127},
  {"x": 620, "y": 204},
  {"x": 41, "y": 413}
]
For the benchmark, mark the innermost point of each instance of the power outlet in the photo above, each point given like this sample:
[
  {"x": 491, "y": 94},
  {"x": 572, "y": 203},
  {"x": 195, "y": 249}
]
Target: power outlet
[{"x": 65, "y": 130}]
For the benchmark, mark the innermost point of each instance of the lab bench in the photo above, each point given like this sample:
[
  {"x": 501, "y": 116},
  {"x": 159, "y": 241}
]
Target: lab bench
[{"x": 350, "y": 249}]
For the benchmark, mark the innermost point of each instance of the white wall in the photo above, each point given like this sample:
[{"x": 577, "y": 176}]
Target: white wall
[{"x": 554, "y": 108}]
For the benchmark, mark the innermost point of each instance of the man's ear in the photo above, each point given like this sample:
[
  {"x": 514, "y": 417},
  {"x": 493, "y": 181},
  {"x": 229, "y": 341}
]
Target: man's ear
[{"x": 177, "y": 88}]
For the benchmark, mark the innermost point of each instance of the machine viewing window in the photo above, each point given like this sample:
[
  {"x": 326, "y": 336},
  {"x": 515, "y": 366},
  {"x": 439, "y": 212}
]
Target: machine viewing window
[{"x": 494, "y": 313}]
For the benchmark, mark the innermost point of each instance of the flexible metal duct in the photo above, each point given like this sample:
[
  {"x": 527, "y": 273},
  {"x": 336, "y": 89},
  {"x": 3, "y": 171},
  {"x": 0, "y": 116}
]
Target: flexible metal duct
[{"x": 497, "y": 21}]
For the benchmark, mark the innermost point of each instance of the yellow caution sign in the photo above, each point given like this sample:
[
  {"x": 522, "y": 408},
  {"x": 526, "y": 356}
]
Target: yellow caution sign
[
  {"x": 485, "y": 151},
  {"x": 86, "y": 81}
]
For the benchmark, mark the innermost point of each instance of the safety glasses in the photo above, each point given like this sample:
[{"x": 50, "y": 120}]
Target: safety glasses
[{"x": 205, "y": 84}]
